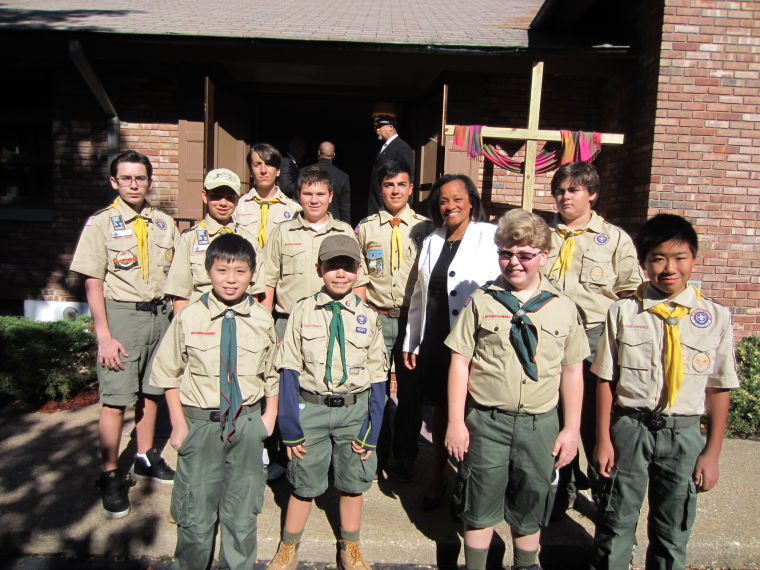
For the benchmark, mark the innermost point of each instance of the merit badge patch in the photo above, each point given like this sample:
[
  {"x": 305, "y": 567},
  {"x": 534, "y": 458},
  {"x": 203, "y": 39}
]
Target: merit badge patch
[
  {"x": 125, "y": 260},
  {"x": 700, "y": 362},
  {"x": 201, "y": 236},
  {"x": 596, "y": 273},
  {"x": 701, "y": 318},
  {"x": 117, "y": 223},
  {"x": 361, "y": 319},
  {"x": 160, "y": 224},
  {"x": 361, "y": 330},
  {"x": 601, "y": 239}
]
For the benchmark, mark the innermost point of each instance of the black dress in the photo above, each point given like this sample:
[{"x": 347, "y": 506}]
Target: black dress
[{"x": 436, "y": 356}]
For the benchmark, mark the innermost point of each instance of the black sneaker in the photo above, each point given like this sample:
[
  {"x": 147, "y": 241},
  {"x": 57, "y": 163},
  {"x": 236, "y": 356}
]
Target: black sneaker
[
  {"x": 158, "y": 470},
  {"x": 114, "y": 492}
]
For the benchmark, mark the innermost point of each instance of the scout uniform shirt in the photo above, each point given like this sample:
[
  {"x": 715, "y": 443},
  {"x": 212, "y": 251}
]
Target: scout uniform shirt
[
  {"x": 189, "y": 354},
  {"x": 290, "y": 259},
  {"x": 604, "y": 263},
  {"x": 248, "y": 214},
  {"x": 391, "y": 287},
  {"x": 304, "y": 348},
  {"x": 497, "y": 378},
  {"x": 188, "y": 277},
  {"x": 631, "y": 352},
  {"x": 108, "y": 250}
]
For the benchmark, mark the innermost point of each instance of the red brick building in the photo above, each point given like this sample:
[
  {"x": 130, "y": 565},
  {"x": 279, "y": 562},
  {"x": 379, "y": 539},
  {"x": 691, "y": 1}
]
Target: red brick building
[{"x": 192, "y": 89}]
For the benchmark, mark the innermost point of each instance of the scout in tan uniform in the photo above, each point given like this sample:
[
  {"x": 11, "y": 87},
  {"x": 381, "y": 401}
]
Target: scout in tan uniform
[
  {"x": 188, "y": 278},
  {"x": 291, "y": 254},
  {"x": 216, "y": 363},
  {"x": 669, "y": 352},
  {"x": 264, "y": 206},
  {"x": 332, "y": 376},
  {"x": 594, "y": 263},
  {"x": 390, "y": 242},
  {"x": 517, "y": 347},
  {"x": 124, "y": 252}
]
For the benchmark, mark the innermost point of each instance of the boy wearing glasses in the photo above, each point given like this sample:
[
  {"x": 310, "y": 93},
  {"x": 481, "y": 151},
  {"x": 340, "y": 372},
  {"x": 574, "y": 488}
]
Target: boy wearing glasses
[
  {"x": 517, "y": 346},
  {"x": 124, "y": 252},
  {"x": 188, "y": 278}
]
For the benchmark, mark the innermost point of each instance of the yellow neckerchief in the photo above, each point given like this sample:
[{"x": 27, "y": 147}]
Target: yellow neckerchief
[
  {"x": 222, "y": 229},
  {"x": 262, "y": 235},
  {"x": 673, "y": 358},
  {"x": 140, "y": 228}
]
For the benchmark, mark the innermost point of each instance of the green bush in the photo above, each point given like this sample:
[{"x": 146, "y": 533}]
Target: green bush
[
  {"x": 45, "y": 360},
  {"x": 744, "y": 415}
]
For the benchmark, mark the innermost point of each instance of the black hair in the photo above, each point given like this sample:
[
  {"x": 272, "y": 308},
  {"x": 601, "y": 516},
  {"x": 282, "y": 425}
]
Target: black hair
[
  {"x": 130, "y": 156},
  {"x": 230, "y": 247},
  {"x": 314, "y": 175},
  {"x": 662, "y": 228},
  {"x": 476, "y": 213},
  {"x": 582, "y": 173},
  {"x": 391, "y": 169},
  {"x": 269, "y": 154}
]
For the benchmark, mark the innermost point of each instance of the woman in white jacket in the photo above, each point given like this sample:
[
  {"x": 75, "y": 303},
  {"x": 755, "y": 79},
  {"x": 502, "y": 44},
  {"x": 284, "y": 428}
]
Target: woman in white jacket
[{"x": 457, "y": 258}]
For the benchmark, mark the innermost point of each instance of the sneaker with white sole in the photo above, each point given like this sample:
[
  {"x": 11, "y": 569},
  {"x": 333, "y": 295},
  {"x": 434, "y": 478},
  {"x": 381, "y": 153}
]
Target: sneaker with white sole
[
  {"x": 114, "y": 492},
  {"x": 156, "y": 468}
]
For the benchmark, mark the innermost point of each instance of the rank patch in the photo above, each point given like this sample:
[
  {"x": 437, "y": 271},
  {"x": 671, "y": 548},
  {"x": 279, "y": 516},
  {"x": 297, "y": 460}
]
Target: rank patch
[
  {"x": 701, "y": 318},
  {"x": 601, "y": 239}
]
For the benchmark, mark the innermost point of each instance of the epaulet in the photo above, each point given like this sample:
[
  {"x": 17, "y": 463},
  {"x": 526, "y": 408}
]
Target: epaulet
[
  {"x": 101, "y": 211},
  {"x": 188, "y": 230},
  {"x": 368, "y": 218},
  {"x": 422, "y": 218},
  {"x": 485, "y": 286}
]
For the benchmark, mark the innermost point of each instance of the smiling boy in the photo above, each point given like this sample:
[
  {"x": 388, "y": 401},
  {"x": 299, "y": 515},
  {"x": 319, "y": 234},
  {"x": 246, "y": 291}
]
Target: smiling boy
[
  {"x": 665, "y": 358},
  {"x": 517, "y": 346}
]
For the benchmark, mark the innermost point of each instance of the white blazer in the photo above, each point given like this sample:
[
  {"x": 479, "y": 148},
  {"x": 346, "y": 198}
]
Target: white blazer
[{"x": 475, "y": 262}]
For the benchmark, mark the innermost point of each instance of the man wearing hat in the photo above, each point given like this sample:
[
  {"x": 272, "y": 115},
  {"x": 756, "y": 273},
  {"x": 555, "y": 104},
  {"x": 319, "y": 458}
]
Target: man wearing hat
[
  {"x": 188, "y": 278},
  {"x": 395, "y": 149}
]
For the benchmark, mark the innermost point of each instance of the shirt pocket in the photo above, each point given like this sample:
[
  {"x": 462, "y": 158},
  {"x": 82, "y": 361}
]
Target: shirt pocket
[
  {"x": 122, "y": 253},
  {"x": 596, "y": 269},
  {"x": 252, "y": 354},
  {"x": 314, "y": 345},
  {"x": 551, "y": 348},
  {"x": 203, "y": 355},
  {"x": 492, "y": 336},
  {"x": 293, "y": 261},
  {"x": 198, "y": 270},
  {"x": 164, "y": 254},
  {"x": 357, "y": 348},
  {"x": 635, "y": 350},
  {"x": 699, "y": 354}
]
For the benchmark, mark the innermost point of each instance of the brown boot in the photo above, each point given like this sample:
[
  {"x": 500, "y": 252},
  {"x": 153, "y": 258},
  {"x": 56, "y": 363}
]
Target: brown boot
[
  {"x": 350, "y": 556},
  {"x": 286, "y": 557}
]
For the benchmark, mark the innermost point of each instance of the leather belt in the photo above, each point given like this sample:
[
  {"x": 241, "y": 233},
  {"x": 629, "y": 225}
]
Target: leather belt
[
  {"x": 332, "y": 400},
  {"x": 152, "y": 306},
  {"x": 654, "y": 420},
  {"x": 209, "y": 415},
  {"x": 395, "y": 312}
]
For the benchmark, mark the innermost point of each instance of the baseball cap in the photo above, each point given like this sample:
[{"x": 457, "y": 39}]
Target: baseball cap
[
  {"x": 222, "y": 177},
  {"x": 337, "y": 246}
]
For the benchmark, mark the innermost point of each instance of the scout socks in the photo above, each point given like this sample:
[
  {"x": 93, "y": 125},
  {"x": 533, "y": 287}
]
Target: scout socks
[
  {"x": 524, "y": 558},
  {"x": 352, "y": 536},
  {"x": 475, "y": 558},
  {"x": 291, "y": 537}
]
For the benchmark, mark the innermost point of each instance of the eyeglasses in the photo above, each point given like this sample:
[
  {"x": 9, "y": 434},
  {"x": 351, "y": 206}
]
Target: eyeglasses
[
  {"x": 522, "y": 256},
  {"x": 127, "y": 180}
]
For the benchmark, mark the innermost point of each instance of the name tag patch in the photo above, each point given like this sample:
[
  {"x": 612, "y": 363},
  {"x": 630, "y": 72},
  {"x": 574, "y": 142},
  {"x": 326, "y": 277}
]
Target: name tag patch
[{"x": 361, "y": 330}]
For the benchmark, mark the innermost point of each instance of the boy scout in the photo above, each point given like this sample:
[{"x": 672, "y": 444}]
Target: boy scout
[
  {"x": 594, "y": 263},
  {"x": 332, "y": 377},
  {"x": 291, "y": 253},
  {"x": 669, "y": 352},
  {"x": 390, "y": 242},
  {"x": 124, "y": 252},
  {"x": 216, "y": 364},
  {"x": 264, "y": 206},
  {"x": 188, "y": 278},
  {"x": 516, "y": 348}
]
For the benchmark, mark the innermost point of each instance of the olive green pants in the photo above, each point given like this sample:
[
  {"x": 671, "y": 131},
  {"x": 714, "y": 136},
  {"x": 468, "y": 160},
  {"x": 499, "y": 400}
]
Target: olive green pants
[{"x": 664, "y": 460}]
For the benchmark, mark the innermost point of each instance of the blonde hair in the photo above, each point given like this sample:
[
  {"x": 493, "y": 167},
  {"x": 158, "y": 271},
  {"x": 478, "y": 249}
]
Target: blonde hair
[{"x": 522, "y": 228}]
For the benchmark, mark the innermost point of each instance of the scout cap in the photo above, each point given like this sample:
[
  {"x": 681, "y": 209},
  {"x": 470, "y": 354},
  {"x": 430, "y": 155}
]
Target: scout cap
[
  {"x": 340, "y": 245},
  {"x": 222, "y": 177}
]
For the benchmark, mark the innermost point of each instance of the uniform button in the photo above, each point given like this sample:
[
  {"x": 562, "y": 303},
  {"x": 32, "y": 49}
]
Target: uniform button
[
  {"x": 496, "y": 329},
  {"x": 525, "y": 381},
  {"x": 455, "y": 312},
  {"x": 453, "y": 293},
  {"x": 452, "y": 273}
]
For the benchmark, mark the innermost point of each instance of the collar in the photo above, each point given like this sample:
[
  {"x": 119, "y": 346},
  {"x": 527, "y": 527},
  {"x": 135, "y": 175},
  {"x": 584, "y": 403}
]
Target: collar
[
  {"x": 543, "y": 285},
  {"x": 216, "y": 308},
  {"x": 686, "y": 298},
  {"x": 595, "y": 224},
  {"x": 213, "y": 226},
  {"x": 349, "y": 301},
  {"x": 128, "y": 214},
  {"x": 390, "y": 140},
  {"x": 277, "y": 195},
  {"x": 299, "y": 222},
  {"x": 405, "y": 215}
]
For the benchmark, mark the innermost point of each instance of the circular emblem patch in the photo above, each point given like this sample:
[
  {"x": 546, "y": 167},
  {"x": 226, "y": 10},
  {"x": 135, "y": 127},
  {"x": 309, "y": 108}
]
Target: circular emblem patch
[
  {"x": 700, "y": 362},
  {"x": 361, "y": 319},
  {"x": 125, "y": 260},
  {"x": 597, "y": 273},
  {"x": 601, "y": 239},
  {"x": 160, "y": 224},
  {"x": 701, "y": 318},
  {"x": 286, "y": 215}
]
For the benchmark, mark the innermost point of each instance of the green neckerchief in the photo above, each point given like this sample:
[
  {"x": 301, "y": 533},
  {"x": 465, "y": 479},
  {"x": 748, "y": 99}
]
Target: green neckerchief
[
  {"x": 523, "y": 335},
  {"x": 230, "y": 398},
  {"x": 336, "y": 332}
]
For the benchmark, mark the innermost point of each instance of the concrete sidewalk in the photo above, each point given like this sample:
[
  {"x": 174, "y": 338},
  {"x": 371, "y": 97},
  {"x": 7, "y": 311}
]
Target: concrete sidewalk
[{"x": 49, "y": 505}]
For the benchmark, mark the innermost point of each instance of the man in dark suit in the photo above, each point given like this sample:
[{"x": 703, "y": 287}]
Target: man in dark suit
[
  {"x": 340, "y": 207},
  {"x": 395, "y": 149},
  {"x": 289, "y": 167}
]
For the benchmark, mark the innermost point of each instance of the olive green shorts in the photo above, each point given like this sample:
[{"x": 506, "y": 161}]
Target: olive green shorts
[
  {"x": 508, "y": 470},
  {"x": 140, "y": 333},
  {"x": 328, "y": 433}
]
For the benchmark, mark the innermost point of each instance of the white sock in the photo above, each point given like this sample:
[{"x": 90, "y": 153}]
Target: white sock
[{"x": 143, "y": 457}]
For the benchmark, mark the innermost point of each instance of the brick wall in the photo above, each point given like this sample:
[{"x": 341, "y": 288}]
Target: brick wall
[{"x": 706, "y": 153}]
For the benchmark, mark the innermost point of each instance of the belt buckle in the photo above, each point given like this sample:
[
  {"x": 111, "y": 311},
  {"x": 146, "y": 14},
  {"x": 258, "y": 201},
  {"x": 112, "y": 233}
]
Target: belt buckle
[
  {"x": 654, "y": 421},
  {"x": 215, "y": 416},
  {"x": 395, "y": 312},
  {"x": 335, "y": 401}
]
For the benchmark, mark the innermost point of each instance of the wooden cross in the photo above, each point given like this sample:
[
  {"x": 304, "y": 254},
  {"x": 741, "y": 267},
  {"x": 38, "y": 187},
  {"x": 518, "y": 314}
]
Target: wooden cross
[{"x": 532, "y": 135}]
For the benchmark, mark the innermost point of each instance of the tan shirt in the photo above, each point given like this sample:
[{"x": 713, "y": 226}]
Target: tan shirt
[
  {"x": 107, "y": 250},
  {"x": 497, "y": 378},
  {"x": 290, "y": 259},
  {"x": 304, "y": 348},
  {"x": 631, "y": 352},
  {"x": 604, "y": 263},
  {"x": 188, "y": 356},
  {"x": 248, "y": 213},
  {"x": 188, "y": 277},
  {"x": 386, "y": 289}
]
